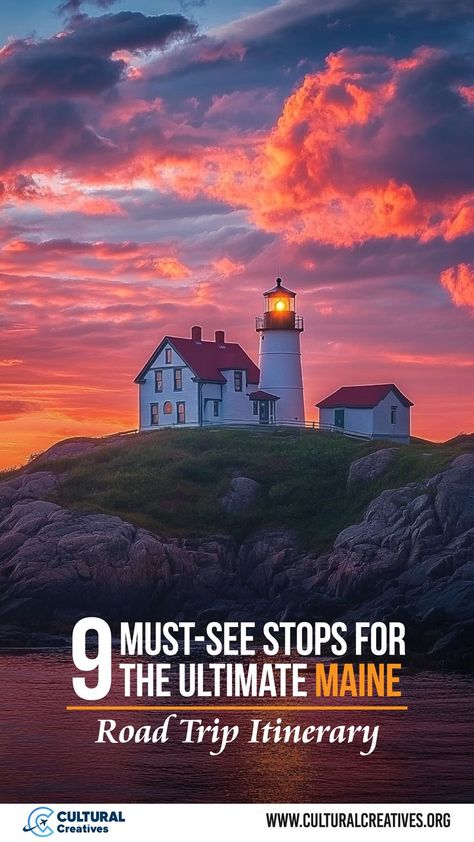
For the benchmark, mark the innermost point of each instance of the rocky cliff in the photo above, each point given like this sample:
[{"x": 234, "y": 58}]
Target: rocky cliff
[{"x": 411, "y": 558}]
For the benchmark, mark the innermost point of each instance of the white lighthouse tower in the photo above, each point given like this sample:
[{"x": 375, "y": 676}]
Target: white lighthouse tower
[{"x": 280, "y": 353}]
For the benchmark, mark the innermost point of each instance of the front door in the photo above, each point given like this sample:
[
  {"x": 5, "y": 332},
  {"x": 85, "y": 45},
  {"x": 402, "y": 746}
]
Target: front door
[
  {"x": 339, "y": 418},
  {"x": 263, "y": 414}
]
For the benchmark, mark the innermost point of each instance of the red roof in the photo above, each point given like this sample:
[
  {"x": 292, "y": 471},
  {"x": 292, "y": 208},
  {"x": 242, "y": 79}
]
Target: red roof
[
  {"x": 362, "y": 397},
  {"x": 208, "y": 359}
]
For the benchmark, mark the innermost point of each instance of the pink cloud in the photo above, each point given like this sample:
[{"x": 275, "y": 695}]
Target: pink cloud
[
  {"x": 459, "y": 282},
  {"x": 102, "y": 259},
  {"x": 226, "y": 267},
  {"x": 467, "y": 91}
]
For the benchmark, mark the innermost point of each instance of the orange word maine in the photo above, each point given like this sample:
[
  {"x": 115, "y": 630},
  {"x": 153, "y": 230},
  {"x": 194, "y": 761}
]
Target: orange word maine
[{"x": 357, "y": 679}]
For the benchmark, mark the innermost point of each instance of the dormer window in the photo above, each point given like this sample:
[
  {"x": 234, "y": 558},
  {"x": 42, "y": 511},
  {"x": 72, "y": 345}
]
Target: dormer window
[
  {"x": 237, "y": 381},
  {"x": 167, "y": 356}
]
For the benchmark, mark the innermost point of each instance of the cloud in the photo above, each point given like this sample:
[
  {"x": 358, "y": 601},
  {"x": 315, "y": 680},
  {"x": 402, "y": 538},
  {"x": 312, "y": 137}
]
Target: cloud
[
  {"x": 192, "y": 4},
  {"x": 74, "y": 258},
  {"x": 342, "y": 15},
  {"x": 353, "y": 153},
  {"x": 459, "y": 282},
  {"x": 243, "y": 109},
  {"x": 79, "y": 61},
  {"x": 126, "y": 31},
  {"x": 11, "y": 409},
  {"x": 48, "y": 88},
  {"x": 47, "y": 132},
  {"x": 201, "y": 51},
  {"x": 225, "y": 267},
  {"x": 72, "y": 7}
]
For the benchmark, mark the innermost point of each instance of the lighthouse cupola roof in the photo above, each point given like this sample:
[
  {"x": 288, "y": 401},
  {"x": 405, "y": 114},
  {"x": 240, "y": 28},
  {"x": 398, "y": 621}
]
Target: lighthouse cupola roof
[{"x": 279, "y": 289}]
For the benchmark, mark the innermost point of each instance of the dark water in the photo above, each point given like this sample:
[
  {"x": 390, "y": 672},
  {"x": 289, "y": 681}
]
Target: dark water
[{"x": 48, "y": 754}]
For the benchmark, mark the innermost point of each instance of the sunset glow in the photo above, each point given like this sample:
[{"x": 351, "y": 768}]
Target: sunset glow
[{"x": 159, "y": 170}]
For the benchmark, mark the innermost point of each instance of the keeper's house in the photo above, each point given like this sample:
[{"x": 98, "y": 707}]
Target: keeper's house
[
  {"x": 195, "y": 381},
  {"x": 379, "y": 411}
]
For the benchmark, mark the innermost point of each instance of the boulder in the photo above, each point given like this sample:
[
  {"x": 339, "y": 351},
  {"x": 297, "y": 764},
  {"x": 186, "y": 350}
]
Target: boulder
[
  {"x": 418, "y": 539},
  {"x": 368, "y": 468},
  {"x": 69, "y": 448},
  {"x": 241, "y": 495}
]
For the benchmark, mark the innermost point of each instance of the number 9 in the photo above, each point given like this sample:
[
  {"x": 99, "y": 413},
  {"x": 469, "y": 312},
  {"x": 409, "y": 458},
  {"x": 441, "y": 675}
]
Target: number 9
[{"x": 102, "y": 662}]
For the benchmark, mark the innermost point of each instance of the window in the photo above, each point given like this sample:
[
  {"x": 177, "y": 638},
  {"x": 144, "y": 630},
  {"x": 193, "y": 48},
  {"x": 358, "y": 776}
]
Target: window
[
  {"x": 237, "y": 381},
  {"x": 178, "y": 379},
  {"x": 216, "y": 409},
  {"x": 154, "y": 414},
  {"x": 167, "y": 408},
  {"x": 167, "y": 355},
  {"x": 393, "y": 414},
  {"x": 158, "y": 380},
  {"x": 181, "y": 412},
  {"x": 255, "y": 407}
]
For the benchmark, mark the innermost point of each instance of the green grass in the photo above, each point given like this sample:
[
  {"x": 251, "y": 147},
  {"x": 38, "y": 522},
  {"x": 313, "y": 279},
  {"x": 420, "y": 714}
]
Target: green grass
[{"x": 170, "y": 481}]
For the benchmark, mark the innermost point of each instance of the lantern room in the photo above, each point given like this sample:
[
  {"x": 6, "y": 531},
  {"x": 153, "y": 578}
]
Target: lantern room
[{"x": 279, "y": 310}]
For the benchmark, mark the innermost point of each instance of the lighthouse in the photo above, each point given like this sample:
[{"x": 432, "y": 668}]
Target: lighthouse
[{"x": 280, "y": 352}]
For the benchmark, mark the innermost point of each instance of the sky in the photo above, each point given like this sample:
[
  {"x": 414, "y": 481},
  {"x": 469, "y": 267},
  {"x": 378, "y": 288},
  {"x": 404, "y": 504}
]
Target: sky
[{"x": 161, "y": 163}]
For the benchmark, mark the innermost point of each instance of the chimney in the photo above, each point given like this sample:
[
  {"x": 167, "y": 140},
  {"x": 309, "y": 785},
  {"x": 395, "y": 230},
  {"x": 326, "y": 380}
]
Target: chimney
[
  {"x": 196, "y": 333},
  {"x": 220, "y": 338}
]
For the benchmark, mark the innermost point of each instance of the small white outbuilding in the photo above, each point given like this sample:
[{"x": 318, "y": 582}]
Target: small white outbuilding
[{"x": 379, "y": 411}]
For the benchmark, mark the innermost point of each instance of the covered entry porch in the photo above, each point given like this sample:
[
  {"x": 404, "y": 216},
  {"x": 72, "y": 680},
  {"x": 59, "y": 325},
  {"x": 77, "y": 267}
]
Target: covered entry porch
[{"x": 264, "y": 406}]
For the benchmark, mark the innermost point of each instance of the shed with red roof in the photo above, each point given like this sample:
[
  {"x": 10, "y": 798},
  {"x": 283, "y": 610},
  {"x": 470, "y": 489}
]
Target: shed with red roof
[{"x": 378, "y": 410}]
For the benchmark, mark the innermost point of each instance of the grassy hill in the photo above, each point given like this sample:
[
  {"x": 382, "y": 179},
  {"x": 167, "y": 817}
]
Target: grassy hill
[{"x": 170, "y": 481}]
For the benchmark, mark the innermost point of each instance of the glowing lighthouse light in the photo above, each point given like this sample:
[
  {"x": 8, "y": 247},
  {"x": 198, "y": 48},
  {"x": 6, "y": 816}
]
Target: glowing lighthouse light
[{"x": 280, "y": 353}]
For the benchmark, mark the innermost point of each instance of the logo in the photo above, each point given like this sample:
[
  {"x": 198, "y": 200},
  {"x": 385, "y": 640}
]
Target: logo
[{"x": 38, "y": 822}]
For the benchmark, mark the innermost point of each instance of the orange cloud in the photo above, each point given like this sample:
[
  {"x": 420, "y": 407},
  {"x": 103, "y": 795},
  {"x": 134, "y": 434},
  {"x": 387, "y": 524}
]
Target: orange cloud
[
  {"x": 461, "y": 223},
  {"x": 459, "y": 281},
  {"x": 340, "y": 165}
]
